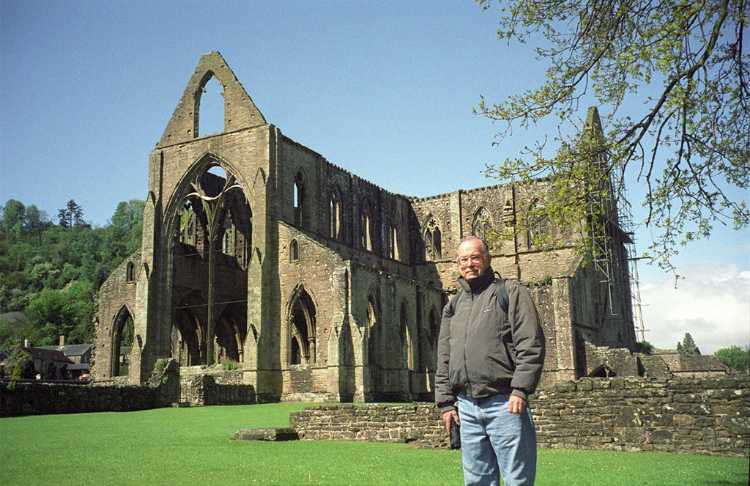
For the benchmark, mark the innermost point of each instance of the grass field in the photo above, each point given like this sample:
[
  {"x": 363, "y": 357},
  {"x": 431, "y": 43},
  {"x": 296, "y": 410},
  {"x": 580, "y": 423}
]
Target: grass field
[{"x": 193, "y": 446}]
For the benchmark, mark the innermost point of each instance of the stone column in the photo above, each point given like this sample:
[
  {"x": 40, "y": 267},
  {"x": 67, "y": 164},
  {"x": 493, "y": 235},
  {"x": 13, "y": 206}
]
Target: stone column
[{"x": 564, "y": 332}]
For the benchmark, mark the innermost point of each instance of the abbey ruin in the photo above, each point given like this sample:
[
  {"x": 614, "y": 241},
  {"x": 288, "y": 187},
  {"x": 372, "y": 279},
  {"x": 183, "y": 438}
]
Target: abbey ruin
[{"x": 314, "y": 283}]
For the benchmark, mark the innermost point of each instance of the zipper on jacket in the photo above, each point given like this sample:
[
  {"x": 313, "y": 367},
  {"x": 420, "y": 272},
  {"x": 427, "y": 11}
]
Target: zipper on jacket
[{"x": 466, "y": 334}]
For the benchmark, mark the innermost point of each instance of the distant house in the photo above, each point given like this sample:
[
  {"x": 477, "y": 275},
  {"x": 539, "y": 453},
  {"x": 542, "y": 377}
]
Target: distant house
[
  {"x": 49, "y": 364},
  {"x": 79, "y": 354}
]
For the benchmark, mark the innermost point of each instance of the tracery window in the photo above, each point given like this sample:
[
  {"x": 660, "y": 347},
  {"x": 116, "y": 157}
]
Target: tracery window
[
  {"x": 481, "y": 225},
  {"x": 433, "y": 240}
]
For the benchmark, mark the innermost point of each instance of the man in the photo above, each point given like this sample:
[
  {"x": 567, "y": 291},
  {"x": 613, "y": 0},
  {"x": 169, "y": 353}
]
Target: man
[{"x": 490, "y": 357}]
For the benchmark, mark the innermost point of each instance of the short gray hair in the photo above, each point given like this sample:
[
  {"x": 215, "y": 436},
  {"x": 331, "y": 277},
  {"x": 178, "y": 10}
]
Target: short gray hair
[{"x": 485, "y": 247}]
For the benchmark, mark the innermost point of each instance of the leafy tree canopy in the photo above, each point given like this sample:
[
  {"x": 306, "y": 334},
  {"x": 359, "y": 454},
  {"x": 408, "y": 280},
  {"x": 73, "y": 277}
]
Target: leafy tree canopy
[
  {"x": 682, "y": 64},
  {"x": 735, "y": 357},
  {"x": 49, "y": 272}
]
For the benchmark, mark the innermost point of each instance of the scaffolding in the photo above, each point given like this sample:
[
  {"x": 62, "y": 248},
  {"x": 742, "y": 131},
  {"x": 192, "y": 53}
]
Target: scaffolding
[{"x": 625, "y": 216}]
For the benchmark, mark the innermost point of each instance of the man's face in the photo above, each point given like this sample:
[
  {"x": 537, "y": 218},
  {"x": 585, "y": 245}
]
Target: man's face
[{"x": 471, "y": 259}]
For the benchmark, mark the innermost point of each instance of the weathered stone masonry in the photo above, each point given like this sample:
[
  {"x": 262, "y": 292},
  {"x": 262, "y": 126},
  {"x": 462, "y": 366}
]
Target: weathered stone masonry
[
  {"x": 319, "y": 284},
  {"x": 707, "y": 416}
]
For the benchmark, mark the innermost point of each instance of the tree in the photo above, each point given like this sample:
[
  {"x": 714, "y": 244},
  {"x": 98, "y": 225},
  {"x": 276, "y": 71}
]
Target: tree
[
  {"x": 71, "y": 215},
  {"x": 735, "y": 357},
  {"x": 687, "y": 347},
  {"x": 13, "y": 217},
  {"x": 689, "y": 145}
]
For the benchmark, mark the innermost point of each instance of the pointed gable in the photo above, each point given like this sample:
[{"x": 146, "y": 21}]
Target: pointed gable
[{"x": 239, "y": 109}]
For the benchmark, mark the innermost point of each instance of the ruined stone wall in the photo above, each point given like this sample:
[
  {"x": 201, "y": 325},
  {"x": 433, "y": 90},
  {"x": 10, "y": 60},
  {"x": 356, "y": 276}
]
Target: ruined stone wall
[
  {"x": 683, "y": 415},
  {"x": 215, "y": 389},
  {"x": 115, "y": 295},
  {"x": 38, "y": 398}
]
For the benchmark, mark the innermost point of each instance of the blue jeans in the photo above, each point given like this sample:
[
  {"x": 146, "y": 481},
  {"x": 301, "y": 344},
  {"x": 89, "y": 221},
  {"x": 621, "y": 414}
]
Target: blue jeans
[{"x": 492, "y": 439}]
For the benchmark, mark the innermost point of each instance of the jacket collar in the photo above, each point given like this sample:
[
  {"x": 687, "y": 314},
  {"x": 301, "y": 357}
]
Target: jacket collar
[{"x": 477, "y": 285}]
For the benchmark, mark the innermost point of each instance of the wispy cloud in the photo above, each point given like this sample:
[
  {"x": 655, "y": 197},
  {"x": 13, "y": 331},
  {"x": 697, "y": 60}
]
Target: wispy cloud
[{"x": 711, "y": 302}]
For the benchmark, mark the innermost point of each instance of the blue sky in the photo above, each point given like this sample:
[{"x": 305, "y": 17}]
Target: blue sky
[{"x": 384, "y": 89}]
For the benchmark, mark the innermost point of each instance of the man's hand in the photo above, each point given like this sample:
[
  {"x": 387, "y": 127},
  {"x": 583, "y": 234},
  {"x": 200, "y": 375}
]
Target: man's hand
[
  {"x": 449, "y": 416},
  {"x": 515, "y": 405}
]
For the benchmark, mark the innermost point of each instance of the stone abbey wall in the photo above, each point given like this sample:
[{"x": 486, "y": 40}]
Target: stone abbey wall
[
  {"x": 325, "y": 286},
  {"x": 710, "y": 416}
]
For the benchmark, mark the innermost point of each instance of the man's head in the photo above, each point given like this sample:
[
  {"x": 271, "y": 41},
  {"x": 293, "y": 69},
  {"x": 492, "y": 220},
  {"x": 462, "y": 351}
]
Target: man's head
[{"x": 473, "y": 257}]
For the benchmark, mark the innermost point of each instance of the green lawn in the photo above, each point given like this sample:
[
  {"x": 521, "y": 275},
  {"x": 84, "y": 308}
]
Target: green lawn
[{"x": 193, "y": 446}]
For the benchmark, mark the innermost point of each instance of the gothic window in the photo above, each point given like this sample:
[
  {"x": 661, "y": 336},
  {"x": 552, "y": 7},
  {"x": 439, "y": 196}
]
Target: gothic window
[
  {"x": 481, "y": 225},
  {"x": 293, "y": 251},
  {"x": 366, "y": 233},
  {"x": 406, "y": 341},
  {"x": 130, "y": 272},
  {"x": 209, "y": 107},
  {"x": 373, "y": 332},
  {"x": 302, "y": 329},
  {"x": 298, "y": 193},
  {"x": 536, "y": 225},
  {"x": 335, "y": 216},
  {"x": 433, "y": 240},
  {"x": 393, "y": 243}
]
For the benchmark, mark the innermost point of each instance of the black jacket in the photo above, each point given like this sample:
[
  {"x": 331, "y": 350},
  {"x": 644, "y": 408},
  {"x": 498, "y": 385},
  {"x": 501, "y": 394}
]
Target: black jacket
[{"x": 481, "y": 350}]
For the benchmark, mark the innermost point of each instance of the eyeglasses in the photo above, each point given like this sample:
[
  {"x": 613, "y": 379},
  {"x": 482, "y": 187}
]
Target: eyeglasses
[{"x": 471, "y": 258}]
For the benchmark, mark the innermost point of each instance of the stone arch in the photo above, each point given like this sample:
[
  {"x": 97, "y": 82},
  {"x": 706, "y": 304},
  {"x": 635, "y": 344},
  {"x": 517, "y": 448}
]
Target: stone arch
[
  {"x": 407, "y": 341},
  {"x": 302, "y": 328},
  {"x": 205, "y": 81},
  {"x": 300, "y": 198},
  {"x": 123, "y": 333},
  {"x": 231, "y": 332},
  {"x": 433, "y": 239},
  {"x": 481, "y": 224},
  {"x": 375, "y": 343},
  {"x": 182, "y": 264},
  {"x": 239, "y": 109},
  {"x": 188, "y": 331}
]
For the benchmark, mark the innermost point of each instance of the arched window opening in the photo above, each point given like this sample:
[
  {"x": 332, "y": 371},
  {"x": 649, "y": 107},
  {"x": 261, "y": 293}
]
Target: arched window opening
[
  {"x": 130, "y": 272},
  {"x": 536, "y": 226},
  {"x": 393, "y": 243},
  {"x": 374, "y": 343},
  {"x": 481, "y": 225},
  {"x": 122, "y": 342},
  {"x": 293, "y": 251},
  {"x": 433, "y": 241},
  {"x": 366, "y": 232},
  {"x": 334, "y": 216},
  {"x": 298, "y": 196},
  {"x": 209, "y": 109},
  {"x": 407, "y": 345},
  {"x": 302, "y": 329}
]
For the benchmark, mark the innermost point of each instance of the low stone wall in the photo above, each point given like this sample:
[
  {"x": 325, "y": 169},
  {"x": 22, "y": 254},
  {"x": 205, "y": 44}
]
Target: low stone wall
[
  {"x": 34, "y": 398},
  {"x": 43, "y": 398},
  {"x": 225, "y": 389},
  {"x": 710, "y": 416},
  {"x": 372, "y": 422}
]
